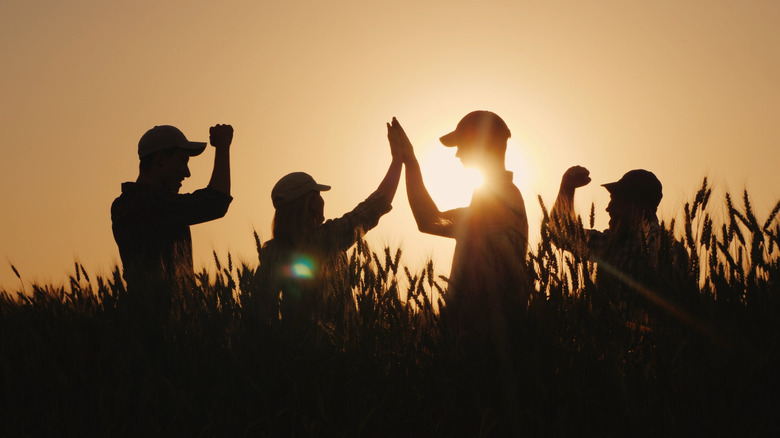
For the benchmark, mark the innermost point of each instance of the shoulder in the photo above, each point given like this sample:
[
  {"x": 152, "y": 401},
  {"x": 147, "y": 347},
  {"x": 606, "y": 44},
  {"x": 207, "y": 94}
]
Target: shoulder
[
  {"x": 501, "y": 197},
  {"x": 596, "y": 239},
  {"x": 133, "y": 190},
  {"x": 134, "y": 195},
  {"x": 270, "y": 253}
]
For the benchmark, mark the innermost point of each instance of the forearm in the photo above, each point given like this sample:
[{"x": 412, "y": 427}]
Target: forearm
[
  {"x": 565, "y": 233},
  {"x": 564, "y": 203},
  {"x": 220, "y": 176},
  {"x": 425, "y": 212},
  {"x": 389, "y": 184}
]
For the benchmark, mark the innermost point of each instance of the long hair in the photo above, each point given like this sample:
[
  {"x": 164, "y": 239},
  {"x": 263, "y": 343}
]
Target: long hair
[{"x": 294, "y": 222}]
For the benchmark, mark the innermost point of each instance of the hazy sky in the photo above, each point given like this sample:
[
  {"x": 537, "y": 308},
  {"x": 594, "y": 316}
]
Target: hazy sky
[{"x": 682, "y": 88}]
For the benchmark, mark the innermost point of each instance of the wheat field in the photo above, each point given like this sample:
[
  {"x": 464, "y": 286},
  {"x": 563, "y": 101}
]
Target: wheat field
[{"x": 695, "y": 354}]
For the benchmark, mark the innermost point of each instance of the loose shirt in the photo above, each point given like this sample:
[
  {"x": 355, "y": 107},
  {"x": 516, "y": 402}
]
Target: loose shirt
[
  {"x": 624, "y": 261},
  {"x": 317, "y": 270},
  {"x": 488, "y": 266},
  {"x": 151, "y": 227}
]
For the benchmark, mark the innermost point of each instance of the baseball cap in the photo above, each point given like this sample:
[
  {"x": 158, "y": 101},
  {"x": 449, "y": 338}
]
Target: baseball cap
[
  {"x": 294, "y": 185},
  {"x": 637, "y": 185},
  {"x": 163, "y": 137},
  {"x": 477, "y": 123}
]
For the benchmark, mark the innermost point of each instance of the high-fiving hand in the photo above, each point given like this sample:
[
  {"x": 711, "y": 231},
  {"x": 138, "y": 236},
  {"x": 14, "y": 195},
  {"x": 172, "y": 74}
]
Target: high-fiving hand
[{"x": 400, "y": 146}]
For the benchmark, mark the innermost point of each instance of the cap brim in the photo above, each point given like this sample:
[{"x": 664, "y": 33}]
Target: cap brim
[
  {"x": 614, "y": 188},
  {"x": 322, "y": 188},
  {"x": 450, "y": 140},
  {"x": 194, "y": 148}
]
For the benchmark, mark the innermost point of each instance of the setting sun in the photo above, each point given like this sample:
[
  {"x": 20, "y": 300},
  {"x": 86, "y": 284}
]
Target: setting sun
[
  {"x": 447, "y": 180},
  {"x": 451, "y": 184}
]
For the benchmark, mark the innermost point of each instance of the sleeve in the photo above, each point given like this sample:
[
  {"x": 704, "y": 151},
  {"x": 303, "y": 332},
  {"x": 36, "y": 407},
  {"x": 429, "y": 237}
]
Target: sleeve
[
  {"x": 596, "y": 243},
  {"x": 341, "y": 233},
  {"x": 447, "y": 223},
  {"x": 193, "y": 208}
]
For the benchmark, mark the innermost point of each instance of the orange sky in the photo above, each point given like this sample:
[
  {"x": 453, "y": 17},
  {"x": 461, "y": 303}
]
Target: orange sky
[{"x": 682, "y": 88}]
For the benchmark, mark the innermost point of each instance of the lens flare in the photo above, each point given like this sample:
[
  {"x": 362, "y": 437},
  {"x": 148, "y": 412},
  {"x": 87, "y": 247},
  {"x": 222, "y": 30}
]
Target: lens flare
[{"x": 302, "y": 267}]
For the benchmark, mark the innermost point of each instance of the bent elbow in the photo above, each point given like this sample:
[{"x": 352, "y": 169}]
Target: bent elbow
[
  {"x": 425, "y": 228},
  {"x": 222, "y": 211}
]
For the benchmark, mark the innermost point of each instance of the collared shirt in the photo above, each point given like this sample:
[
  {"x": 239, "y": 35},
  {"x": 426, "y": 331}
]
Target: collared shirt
[
  {"x": 151, "y": 227},
  {"x": 491, "y": 235},
  {"x": 623, "y": 252},
  {"x": 625, "y": 262},
  {"x": 303, "y": 274}
]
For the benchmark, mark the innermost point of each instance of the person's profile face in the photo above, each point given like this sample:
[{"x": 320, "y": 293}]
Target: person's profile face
[
  {"x": 174, "y": 169},
  {"x": 621, "y": 211},
  {"x": 468, "y": 154}
]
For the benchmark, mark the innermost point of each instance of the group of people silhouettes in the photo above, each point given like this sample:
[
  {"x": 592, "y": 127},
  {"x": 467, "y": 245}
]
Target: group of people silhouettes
[{"x": 304, "y": 262}]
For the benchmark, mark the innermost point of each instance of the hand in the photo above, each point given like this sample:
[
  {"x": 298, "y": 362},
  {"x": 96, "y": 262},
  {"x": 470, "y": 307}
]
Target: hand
[
  {"x": 574, "y": 177},
  {"x": 220, "y": 136},
  {"x": 400, "y": 146}
]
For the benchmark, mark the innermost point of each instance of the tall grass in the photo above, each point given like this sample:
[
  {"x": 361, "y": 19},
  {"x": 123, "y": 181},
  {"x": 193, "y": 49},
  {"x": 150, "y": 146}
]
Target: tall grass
[{"x": 699, "y": 357}]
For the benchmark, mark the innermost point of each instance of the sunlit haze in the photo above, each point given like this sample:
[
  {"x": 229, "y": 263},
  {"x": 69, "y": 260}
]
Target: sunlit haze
[{"x": 685, "y": 89}]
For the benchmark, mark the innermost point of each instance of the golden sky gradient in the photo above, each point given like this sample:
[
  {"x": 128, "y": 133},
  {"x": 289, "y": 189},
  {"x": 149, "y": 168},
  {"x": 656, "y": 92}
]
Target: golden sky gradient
[{"x": 682, "y": 88}]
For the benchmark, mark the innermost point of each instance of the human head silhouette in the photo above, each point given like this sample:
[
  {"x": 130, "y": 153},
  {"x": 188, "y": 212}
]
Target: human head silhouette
[
  {"x": 298, "y": 205},
  {"x": 164, "y": 154},
  {"x": 481, "y": 138},
  {"x": 636, "y": 195},
  {"x": 294, "y": 185}
]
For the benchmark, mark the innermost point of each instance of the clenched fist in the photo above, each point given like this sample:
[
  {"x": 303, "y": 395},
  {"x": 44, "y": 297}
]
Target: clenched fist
[
  {"x": 220, "y": 136},
  {"x": 575, "y": 177}
]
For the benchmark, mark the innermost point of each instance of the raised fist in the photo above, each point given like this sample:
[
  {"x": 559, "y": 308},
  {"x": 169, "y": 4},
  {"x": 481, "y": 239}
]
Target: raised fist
[
  {"x": 574, "y": 177},
  {"x": 221, "y": 135}
]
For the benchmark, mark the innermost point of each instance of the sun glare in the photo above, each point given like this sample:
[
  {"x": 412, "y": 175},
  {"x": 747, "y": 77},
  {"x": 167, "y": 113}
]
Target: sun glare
[
  {"x": 449, "y": 183},
  {"x": 517, "y": 162}
]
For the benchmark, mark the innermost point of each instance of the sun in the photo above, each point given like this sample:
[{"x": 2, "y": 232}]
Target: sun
[
  {"x": 448, "y": 182},
  {"x": 451, "y": 184}
]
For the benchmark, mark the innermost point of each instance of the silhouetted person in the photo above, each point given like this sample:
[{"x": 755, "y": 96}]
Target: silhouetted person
[
  {"x": 151, "y": 219},
  {"x": 627, "y": 251},
  {"x": 488, "y": 267},
  {"x": 306, "y": 259}
]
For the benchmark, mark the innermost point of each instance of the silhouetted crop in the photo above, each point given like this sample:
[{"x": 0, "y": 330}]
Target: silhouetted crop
[{"x": 698, "y": 356}]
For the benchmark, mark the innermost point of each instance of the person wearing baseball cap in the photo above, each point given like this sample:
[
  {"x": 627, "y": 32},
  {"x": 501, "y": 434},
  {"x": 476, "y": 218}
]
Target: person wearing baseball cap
[
  {"x": 487, "y": 284},
  {"x": 151, "y": 220},
  {"x": 629, "y": 248},
  {"x": 305, "y": 262},
  {"x": 634, "y": 199}
]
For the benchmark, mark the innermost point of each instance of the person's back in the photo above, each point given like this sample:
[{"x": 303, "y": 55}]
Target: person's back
[{"x": 309, "y": 278}]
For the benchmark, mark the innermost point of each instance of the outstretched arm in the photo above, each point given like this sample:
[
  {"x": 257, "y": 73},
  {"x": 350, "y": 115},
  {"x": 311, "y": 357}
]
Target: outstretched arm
[
  {"x": 428, "y": 217},
  {"x": 573, "y": 178},
  {"x": 221, "y": 136},
  {"x": 562, "y": 214},
  {"x": 341, "y": 233},
  {"x": 389, "y": 184}
]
